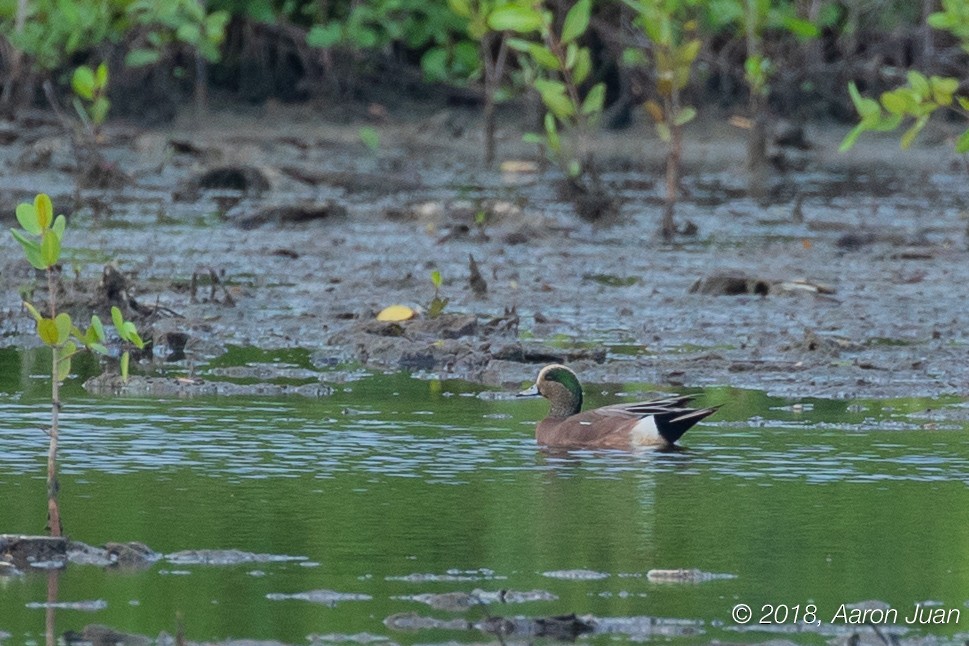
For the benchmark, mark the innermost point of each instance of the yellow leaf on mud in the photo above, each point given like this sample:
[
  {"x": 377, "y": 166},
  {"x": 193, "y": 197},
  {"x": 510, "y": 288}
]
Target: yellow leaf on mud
[{"x": 396, "y": 313}]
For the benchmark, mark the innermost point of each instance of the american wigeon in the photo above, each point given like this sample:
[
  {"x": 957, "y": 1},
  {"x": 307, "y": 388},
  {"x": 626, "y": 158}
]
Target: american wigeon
[{"x": 658, "y": 423}]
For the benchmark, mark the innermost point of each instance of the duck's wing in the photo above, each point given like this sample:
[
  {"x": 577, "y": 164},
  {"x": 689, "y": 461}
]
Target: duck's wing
[{"x": 668, "y": 418}]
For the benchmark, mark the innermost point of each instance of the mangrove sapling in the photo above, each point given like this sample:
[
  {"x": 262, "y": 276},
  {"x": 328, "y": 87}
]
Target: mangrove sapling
[
  {"x": 669, "y": 29},
  {"x": 41, "y": 238},
  {"x": 559, "y": 68},
  {"x": 752, "y": 18},
  {"x": 493, "y": 52},
  {"x": 921, "y": 96}
]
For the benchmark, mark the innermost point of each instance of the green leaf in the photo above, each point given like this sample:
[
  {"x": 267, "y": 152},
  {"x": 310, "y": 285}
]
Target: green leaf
[
  {"x": 943, "y": 89},
  {"x": 125, "y": 358},
  {"x": 27, "y": 217},
  {"x": 64, "y": 367},
  {"x": 574, "y": 168},
  {"x": 865, "y": 107},
  {"x": 47, "y": 331},
  {"x": 436, "y": 279},
  {"x": 554, "y": 97},
  {"x": 117, "y": 318},
  {"x": 533, "y": 138},
  {"x": 919, "y": 83},
  {"x": 576, "y": 20},
  {"x": 898, "y": 101},
  {"x": 594, "y": 100},
  {"x": 134, "y": 337},
  {"x": 69, "y": 350},
  {"x": 515, "y": 18},
  {"x": 325, "y": 36},
  {"x": 189, "y": 33},
  {"x": 687, "y": 52},
  {"x": 962, "y": 143},
  {"x": 963, "y": 102},
  {"x": 460, "y": 7},
  {"x": 99, "y": 110},
  {"x": 803, "y": 29},
  {"x": 552, "y": 133},
  {"x": 99, "y": 348},
  {"x": 142, "y": 57},
  {"x": 663, "y": 131},
  {"x": 128, "y": 331},
  {"x": 583, "y": 65},
  {"x": 83, "y": 82},
  {"x": 101, "y": 76},
  {"x": 60, "y": 223},
  {"x": 543, "y": 56},
  {"x": 685, "y": 115},
  {"x": 434, "y": 64},
  {"x": 63, "y": 324},
  {"x": 44, "y": 210},
  {"x": 50, "y": 248},
  {"x": 97, "y": 328}
]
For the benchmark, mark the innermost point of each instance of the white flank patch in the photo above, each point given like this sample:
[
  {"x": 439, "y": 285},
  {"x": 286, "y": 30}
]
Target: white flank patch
[{"x": 645, "y": 432}]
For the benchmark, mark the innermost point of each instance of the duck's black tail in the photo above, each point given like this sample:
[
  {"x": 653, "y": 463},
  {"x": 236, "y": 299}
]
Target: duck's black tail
[{"x": 673, "y": 424}]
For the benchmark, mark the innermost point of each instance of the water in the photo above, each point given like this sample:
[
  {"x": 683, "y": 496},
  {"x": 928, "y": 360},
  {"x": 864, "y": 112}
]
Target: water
[{"x": 396, "y": 487}]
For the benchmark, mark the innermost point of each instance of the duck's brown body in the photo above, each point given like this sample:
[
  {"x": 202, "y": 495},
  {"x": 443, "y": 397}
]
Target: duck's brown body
[{"x": 658, "y": 423}]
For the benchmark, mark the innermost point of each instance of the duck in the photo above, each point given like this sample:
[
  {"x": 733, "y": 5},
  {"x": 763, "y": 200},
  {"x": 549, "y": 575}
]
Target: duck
[{"x": 658, "y": 423}]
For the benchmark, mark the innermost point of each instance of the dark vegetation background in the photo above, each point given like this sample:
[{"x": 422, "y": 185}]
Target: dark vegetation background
[{"x": 164, "y": 53}]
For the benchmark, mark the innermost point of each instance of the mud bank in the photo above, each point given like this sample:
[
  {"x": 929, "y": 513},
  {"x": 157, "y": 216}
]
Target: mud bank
[{"x": 314, "y": 234}]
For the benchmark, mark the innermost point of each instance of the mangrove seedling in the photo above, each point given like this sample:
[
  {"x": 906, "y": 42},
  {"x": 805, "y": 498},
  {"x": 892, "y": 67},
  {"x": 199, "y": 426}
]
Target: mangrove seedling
[
  {"x": 436, "y": 307},
  {"x": 91, "y": 97},
  {"x": 559, "y": 68},
  {"x": 40, "y": 238},
  {"x": 674, "y": 48}
]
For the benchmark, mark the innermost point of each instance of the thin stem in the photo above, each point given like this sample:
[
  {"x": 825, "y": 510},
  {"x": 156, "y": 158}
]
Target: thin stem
[{"x": 53, "y": 509}]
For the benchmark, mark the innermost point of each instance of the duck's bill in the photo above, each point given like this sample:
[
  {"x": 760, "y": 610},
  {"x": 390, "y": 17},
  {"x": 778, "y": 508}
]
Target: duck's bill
[{"x": 530, "y": 392}]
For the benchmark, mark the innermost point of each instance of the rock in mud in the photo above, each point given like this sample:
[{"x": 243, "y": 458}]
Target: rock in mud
[
  {"x": 730, "y": 285},
  {"x": 33, "y": 551},
  {"x": 737, "y": 284},
  {"x": 246, "y": 180},
  {"x": 829, "y": 345}
]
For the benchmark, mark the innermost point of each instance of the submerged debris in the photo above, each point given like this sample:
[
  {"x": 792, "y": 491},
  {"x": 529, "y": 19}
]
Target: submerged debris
[
  {"x": 138, "y": 385},
  {"x": 326, "y": 597},
  {"x": 684, "y": 576},
  {"x": 576, "y": 575},
  {"x": 226, "y": 557},
  {"x": 457, "y": 601},
  {"x": 291, "y": 214}
]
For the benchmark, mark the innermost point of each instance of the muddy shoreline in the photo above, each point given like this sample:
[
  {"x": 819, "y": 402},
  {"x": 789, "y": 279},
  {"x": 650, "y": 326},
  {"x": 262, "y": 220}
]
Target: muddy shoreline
[{"x": 862, "y": 257}]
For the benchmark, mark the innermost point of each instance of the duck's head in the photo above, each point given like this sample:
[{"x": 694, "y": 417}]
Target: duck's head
[{"x": 560, "y": 386}]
